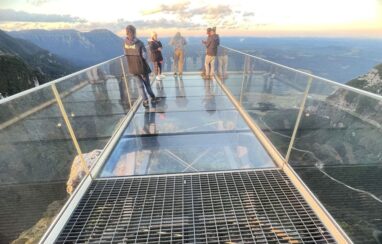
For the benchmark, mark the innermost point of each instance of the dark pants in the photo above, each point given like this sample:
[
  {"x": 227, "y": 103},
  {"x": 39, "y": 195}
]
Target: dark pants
[
  {"x": 144, "y": 80},
  {"x": 157, "y": 68}
]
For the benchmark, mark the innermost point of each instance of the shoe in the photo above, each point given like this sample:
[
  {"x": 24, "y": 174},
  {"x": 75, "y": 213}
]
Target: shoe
[
  {"x": 158, "y": 77},
  {"x": 175, "y": 74},
  {"x": 145, "y": 103},
  {"x": 162, "y": 76},
  {"x": 155, "y": 99},
  {"x": 180, "y": 75}
]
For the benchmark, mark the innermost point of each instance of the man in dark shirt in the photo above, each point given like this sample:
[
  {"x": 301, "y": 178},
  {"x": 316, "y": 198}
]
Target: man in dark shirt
[
  {"x": 211, "y": 44},
  {"x": 136, "y": 54}
]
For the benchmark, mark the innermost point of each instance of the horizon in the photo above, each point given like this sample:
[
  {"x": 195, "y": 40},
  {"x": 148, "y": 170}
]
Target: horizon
[
  {"x": 296, "y": 18},
  {"x": 203, "y": 35}
]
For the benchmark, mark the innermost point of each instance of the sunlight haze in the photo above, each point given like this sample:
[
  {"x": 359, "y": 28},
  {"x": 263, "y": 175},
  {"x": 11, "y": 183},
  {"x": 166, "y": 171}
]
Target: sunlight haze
[{"x": 352, "y": 18}]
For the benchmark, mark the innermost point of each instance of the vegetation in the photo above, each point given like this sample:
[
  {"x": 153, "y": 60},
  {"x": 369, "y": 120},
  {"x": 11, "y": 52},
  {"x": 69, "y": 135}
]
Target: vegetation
[
  {"x": 15, "y": 75},
  {"x": 22, "y": 63}
]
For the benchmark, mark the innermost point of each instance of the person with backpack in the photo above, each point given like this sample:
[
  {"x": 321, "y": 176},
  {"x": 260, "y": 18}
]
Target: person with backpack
[{"x": 136, "y": 54}]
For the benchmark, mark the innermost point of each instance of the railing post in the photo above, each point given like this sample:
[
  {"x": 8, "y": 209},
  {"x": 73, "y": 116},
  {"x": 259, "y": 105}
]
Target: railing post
[
  {"x": 70, "y": 129},
  {"x": 126, "y": 83},
  {"x": 298, "y": 120}
]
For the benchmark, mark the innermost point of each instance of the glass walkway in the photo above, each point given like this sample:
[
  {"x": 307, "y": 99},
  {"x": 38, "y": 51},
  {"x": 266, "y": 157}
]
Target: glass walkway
[
  {"x": 193, "y": 128},
  {"x": 260, "y": 154}
]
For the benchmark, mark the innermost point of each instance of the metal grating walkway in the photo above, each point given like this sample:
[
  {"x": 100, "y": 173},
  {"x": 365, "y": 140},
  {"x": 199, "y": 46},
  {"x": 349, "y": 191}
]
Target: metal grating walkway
[{"x": 228, "y": 207}]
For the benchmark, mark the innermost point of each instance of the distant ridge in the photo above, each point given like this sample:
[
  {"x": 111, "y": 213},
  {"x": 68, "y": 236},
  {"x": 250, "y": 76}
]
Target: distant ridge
[
  {"x": 371, "y": 81},
  {"x": 81, "y": 48}
]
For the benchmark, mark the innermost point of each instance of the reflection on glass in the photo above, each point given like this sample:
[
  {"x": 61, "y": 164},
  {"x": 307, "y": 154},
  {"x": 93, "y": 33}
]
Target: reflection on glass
[
  {"x": 185, "y": 153},
  {"x": 189, "y": 122},
  {"x": 337, "y": 152},
  {"x": 36, "y": 153},
  {"x": 96, "y": 104},
  {"x": 222, "y": 58},
  {"x": 39, "y": 164},
  {"x": 181, "y": 97},
  {"x": 171, "y": 138},
  {"x": 209, "y": 97}
]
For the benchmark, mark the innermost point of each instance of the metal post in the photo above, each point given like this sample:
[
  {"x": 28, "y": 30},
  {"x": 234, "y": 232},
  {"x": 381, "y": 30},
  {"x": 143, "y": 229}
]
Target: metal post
[
  {"x": 245, "y": 78},
  {"x": 126, "y": 83},
  {"x": 298, "y": 119},
  {"x": 70, "y": 129},
  {"x": 242, "y": 88}
]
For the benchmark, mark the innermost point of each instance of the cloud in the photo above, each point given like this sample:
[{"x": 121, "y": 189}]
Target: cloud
[
  {"x": 9, "y": 15},
  {"x": 248, "y": 14},
  {"x": 37, "y": 2},
  {"x": 177, "y": 8},
  {"x": 160, "y": 23},
  {"x": 208, "y": 15},
  {"x": 212, "y": 13},
  {"x": 183, "y": 11}
]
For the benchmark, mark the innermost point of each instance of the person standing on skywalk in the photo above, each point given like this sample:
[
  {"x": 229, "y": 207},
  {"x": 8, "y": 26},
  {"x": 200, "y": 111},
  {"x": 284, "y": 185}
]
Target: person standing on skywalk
[
  {"x": 136, "y": 54},
  {"x": 156, "y": 55},
  {"x": 178, "y": 42}
]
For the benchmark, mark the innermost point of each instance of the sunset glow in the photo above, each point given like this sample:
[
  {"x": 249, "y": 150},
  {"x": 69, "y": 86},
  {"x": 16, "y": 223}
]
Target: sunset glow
[{"x": 255, "y": 18}]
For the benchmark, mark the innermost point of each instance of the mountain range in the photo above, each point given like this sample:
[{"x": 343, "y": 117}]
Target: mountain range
[
  {"x": 333, "y": 58},
  {"x": 23, "y": 64},
  {"x": 82, "y": 48}
]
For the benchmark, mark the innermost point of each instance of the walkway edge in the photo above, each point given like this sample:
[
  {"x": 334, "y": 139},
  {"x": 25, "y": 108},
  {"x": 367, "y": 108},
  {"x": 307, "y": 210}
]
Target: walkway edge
[{"x": 337, "y": 232}]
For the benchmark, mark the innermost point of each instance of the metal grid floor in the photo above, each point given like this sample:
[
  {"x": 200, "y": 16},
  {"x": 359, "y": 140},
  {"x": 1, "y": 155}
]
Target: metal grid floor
[{"x": 228, "y": 207}]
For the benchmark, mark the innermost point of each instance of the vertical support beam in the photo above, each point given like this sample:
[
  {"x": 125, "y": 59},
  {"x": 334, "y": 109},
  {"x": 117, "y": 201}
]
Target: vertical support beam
[
  {"x": 242, "y": 88},
  {"x": 126, "y": 83},
  {"x": 298, "y": 120},
  {"x": 70, "y": 129},
  {"x": 246, "y": 73}
]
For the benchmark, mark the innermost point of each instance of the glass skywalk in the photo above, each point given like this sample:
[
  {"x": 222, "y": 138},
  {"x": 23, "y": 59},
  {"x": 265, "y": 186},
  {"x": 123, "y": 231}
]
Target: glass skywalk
[
  {"x": 193, "y": 128},
  {"x": 232, "y": 153}
]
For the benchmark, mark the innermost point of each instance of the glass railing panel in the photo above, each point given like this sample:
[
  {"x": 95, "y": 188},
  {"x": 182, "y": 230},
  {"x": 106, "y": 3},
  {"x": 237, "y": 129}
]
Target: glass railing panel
[
  {"x": 39, "y": 162},
  {"x": 337, "y": 153},
  {"x": 96, "y": 101},
  {"x": 267, "y": 92},
  {"x": 35, "y": 162}
]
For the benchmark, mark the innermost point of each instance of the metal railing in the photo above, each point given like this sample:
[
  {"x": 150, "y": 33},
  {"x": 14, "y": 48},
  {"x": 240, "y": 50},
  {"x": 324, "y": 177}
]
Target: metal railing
[
  {"x": 44, "y": 128},
  {"x": 325, "y": 135},
  {"x": 49, "y": 134}
]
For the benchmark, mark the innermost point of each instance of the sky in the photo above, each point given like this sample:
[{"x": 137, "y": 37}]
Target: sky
[{"x": 319, "y": 18}]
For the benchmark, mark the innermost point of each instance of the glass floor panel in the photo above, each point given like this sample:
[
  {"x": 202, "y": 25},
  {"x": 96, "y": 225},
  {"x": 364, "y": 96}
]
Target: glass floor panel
[
  {"x": 185, "y": 122},
  {"x": 186, "y": 133},
  {"x": 186, "y": 81},
  {"x": 192, "y": 91},
  {"x": 190, "y": 104},
  {"x": 144, "y": 155}
]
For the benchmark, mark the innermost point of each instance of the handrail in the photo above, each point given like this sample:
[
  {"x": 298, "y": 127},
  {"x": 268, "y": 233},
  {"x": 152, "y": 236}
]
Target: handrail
[
  {"x": 26, "y": 92},
  {"x": 327, "y": 219},
  {"x": 353, "y": 89}
]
